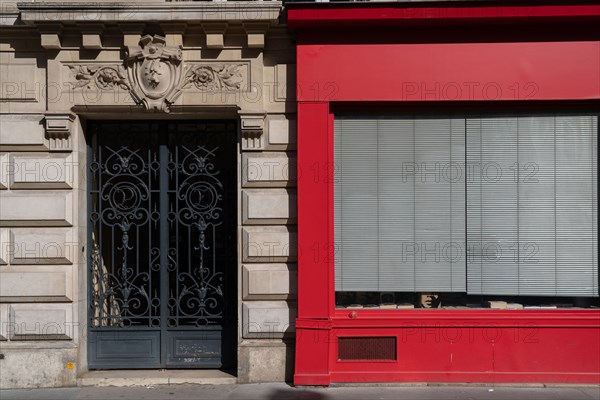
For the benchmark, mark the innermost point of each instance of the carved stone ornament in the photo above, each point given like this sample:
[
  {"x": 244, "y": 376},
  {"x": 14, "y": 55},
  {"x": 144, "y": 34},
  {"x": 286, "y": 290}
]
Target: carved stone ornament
[
  {"x": 252, "y": 126},
  {"x": 155, "y": 75},
  {"x": 104, "y": 77},
  {"x": 58, "y": 130},
  {"x": 209, "y": 78},
  {"x": 154, "y": 71}
]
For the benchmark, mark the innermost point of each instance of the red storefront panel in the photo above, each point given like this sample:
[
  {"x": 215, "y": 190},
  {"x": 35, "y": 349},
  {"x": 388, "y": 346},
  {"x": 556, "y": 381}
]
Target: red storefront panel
[
  {"x": 497, "y": 347},
  {"x": 449, "y": 72},
  {"x": 432, "y": 345}
]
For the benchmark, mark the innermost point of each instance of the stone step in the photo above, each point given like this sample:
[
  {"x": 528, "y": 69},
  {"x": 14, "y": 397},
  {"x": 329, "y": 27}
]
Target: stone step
[{"x": 148, "y": 378}]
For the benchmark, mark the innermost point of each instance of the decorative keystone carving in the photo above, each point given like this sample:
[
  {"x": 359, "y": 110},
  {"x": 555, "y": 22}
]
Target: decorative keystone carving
[
  {"x": 252, "y": 131},
  {"x": 58, "y": 131},
  {"x": 154, "y": 71},
  {"x": 155, "y": 75}
]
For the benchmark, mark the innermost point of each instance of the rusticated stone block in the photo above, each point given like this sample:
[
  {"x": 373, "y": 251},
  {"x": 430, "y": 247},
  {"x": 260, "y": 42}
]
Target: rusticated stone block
[
  {"x": 21, "y": 130},
  {"x": 42, "y": 246},
  {"x": 38, "y": 366},
  {"x": 269, "y": 243},
  {"x": 268, "y": 169},
  {"x": 22, "y": 80},
  {"x": 37, "y": 284},
  {"x": 33, "y": 171},
  {"x": 266, "y": 362},
  {"x": 282, "y": 131},
  {"x": 4, "y": 245},
  {"x": 4, "y": 171},
  {"x": 4, "y": 319},
  {"x": 41, "y": 322},
  {"x": 269, "y": 281},
  {"x": 268, "y": 206},
  {"x": 268, "y": 319},
  {"x": 36, "y": 208}
]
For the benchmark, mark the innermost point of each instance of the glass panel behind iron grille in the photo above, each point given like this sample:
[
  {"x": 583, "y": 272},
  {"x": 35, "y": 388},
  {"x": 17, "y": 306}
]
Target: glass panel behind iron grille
[
  {"x": 532, "y": 206},
  {"x": 162, "y": 203},
  {"x": 399, "y": 200}
]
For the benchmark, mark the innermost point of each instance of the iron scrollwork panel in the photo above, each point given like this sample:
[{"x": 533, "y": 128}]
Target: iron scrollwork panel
[
  {"x": 125, "y": 247},
  {"x": 128, "y": 286},
  {"x": 196, "y": 226}
]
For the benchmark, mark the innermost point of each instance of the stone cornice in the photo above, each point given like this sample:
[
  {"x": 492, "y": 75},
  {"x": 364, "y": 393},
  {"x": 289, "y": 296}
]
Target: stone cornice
[{"x": 99, "y": 12}]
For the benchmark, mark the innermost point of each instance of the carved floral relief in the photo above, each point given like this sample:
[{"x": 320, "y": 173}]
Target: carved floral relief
[
  {"x": 103, "y": 77},
  {"x": 215, "y": 78},
  {"x": 155, "y": 74}
]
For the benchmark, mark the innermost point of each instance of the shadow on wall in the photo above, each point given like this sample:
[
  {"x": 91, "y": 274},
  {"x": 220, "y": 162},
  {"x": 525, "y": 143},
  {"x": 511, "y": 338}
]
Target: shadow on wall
[{"x": 290, "y": 357}]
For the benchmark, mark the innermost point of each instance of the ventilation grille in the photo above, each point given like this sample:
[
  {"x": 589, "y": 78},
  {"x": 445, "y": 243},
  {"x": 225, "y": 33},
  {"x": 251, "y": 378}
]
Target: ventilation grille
[{"x": 367, "y": 348}]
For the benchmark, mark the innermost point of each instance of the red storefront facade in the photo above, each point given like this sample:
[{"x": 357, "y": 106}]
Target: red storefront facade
[{"x": 433, "y": 56}]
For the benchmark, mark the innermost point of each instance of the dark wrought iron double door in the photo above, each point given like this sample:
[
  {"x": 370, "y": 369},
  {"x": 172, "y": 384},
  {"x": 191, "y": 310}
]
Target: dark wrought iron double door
[{"x": 162, "y": 244}]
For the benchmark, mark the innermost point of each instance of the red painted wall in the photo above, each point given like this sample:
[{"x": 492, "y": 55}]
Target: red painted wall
[{"x": 334, "y": 70}]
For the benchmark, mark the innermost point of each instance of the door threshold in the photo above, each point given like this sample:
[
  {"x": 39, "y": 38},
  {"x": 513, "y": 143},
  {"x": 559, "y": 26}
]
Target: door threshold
[{"x": 140, "y": 377}]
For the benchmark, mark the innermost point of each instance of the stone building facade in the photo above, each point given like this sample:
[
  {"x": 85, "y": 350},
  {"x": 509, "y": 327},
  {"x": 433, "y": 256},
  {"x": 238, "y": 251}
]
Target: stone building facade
[{"x": 68, "y": 68}]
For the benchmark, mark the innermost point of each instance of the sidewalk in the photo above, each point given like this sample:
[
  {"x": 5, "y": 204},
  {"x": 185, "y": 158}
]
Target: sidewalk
[{"x": 280, "y": 391}]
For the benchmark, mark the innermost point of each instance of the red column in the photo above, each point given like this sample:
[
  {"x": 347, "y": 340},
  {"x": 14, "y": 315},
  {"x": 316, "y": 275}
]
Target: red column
[
  {"x": 313, "y": 214},
  {"x": 313, "y": 326}
]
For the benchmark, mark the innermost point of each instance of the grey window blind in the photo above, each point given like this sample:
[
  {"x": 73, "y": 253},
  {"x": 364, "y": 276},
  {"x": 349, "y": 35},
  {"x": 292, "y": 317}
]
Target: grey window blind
[
  {"x": 532, "y": 206},
  {"x": 399, "y": 203}
]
